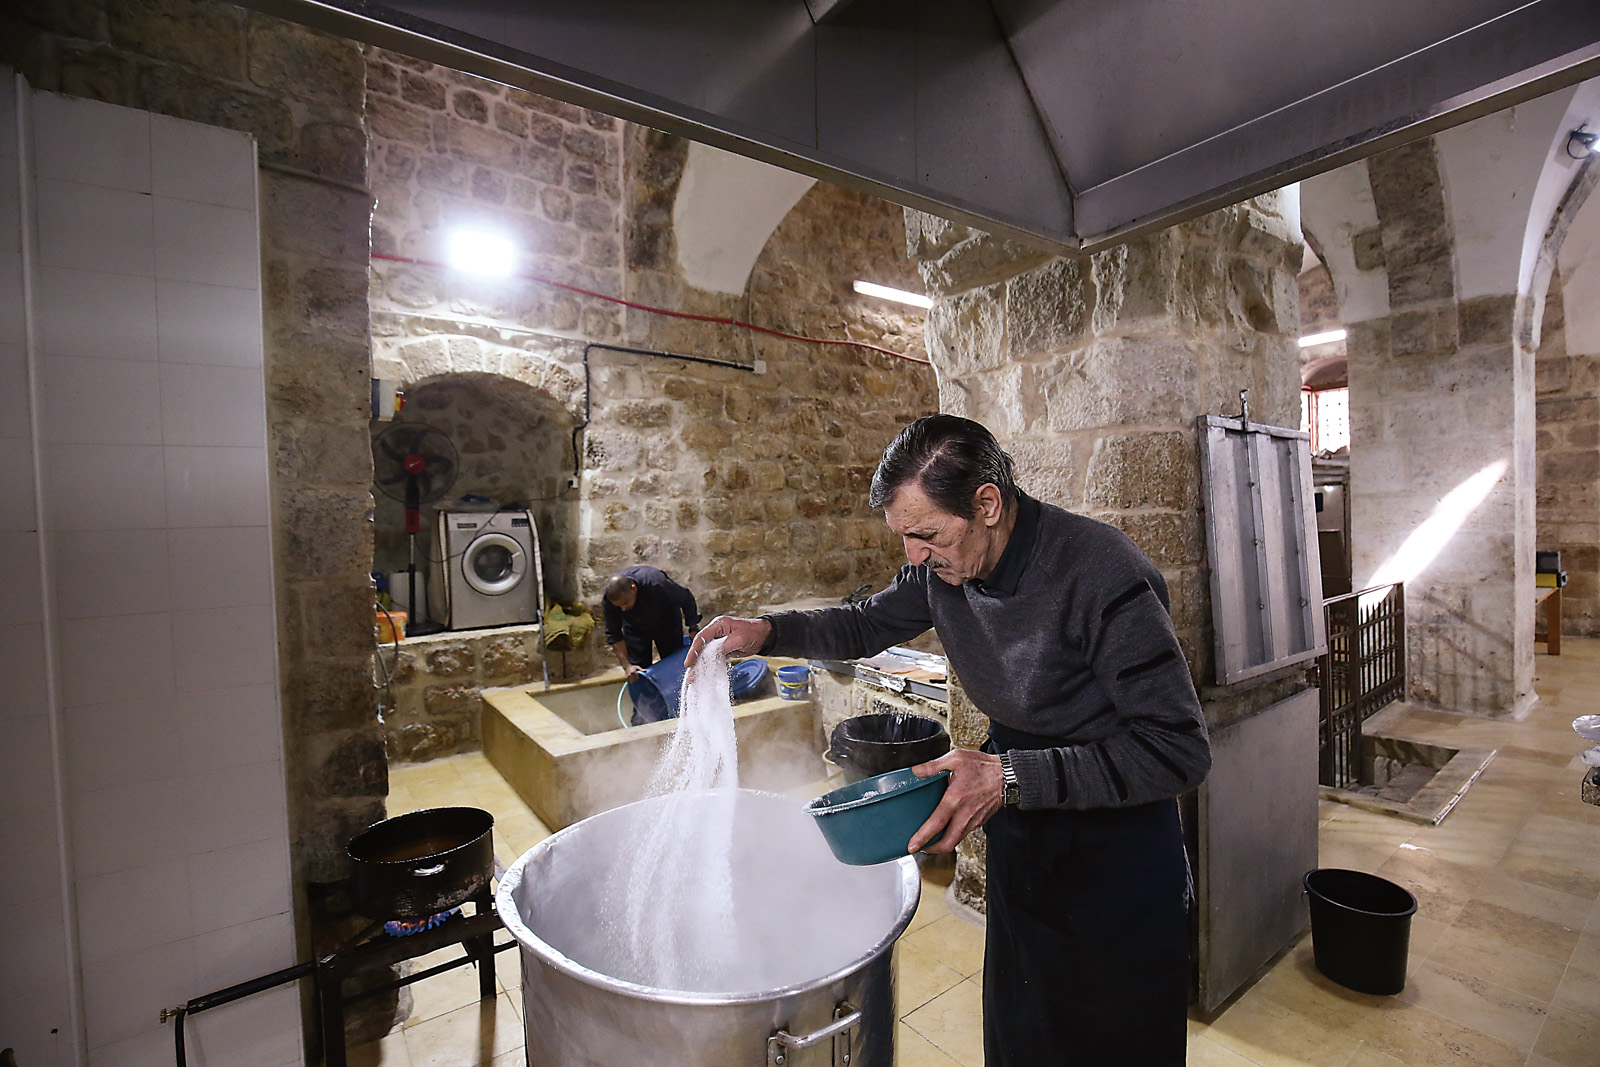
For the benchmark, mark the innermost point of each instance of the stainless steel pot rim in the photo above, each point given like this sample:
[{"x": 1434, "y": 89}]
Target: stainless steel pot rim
[{"x": 910, "y": 876}]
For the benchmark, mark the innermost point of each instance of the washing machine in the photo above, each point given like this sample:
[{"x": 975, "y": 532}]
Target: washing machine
[{"x": 486, "y": 570}]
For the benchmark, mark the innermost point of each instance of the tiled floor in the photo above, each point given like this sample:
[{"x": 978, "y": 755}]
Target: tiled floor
[{"x": 1505, "y": 949}]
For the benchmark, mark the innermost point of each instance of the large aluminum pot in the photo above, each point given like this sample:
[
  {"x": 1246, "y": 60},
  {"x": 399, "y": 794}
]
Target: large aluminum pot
[{"x": 813, "y": 983}]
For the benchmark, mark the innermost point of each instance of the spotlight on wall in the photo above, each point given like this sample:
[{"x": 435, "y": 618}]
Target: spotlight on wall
[
  {"x": 1580, "y": 142},
  {"x": 1311, "y": 339},
  {"x": 899, "y": 296},
  {"x": 480, "y": 252}
]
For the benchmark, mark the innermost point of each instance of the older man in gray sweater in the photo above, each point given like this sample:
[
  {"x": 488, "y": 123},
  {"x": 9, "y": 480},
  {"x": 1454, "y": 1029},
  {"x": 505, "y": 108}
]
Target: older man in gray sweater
[{"x": 1058, "y": 628}]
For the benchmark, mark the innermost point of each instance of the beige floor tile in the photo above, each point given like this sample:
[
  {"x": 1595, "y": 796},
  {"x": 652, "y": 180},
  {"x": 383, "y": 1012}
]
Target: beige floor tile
[
  {"x": 443, "y": 993},
  {"x": 1542, "y": 902},
  {"x": 1502, "y": 1013},
  {"x": 1420, "y": 1038},
  {"x": 467, "y": 1037},
  {"x": 1204, "y": 1052},
  {"x": 1442, "y": 887},
  {"x": 1273, "y": 1035},
  {"x": 930, "y": 906},
  {"x": 1570, "y": 1039},
  {"x": 1367, "y": 1056},
  {"x": 1519, "y": 930},
  {"x": 1495, "y": 961},
  {"x": 1579, "y": 991},
  {"x": 911, "y": 1049},
  {"x": 951, "y": 941},
  {"x": 953, "y": 1021},
  {"x": 919, "y": 977},
  {"x": 388, "y": 1051},
  {"x": 1425, "y": 934}
]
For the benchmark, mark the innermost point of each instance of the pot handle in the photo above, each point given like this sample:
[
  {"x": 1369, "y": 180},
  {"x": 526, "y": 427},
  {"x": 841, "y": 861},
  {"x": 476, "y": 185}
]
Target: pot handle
[
  {"x": 427, "y": 872},
  {"x": 845, "y": 1019}
]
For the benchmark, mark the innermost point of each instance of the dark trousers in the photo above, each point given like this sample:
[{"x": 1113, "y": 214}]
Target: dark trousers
[
  {"x": 1087, "y": 953},
  {"x": 639, "y": 646}
]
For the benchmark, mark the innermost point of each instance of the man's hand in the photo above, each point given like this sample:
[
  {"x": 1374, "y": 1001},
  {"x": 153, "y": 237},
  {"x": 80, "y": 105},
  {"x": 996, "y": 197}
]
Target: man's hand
[
  {"x": 975, "y": 792},
  {"x": 633, "y": 670},
  {"x": 745, "y": 636}
]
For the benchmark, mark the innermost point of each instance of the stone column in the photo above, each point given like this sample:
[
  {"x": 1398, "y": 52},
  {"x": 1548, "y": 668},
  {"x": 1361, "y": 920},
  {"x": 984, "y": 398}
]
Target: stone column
[
  {"x": 1092, "y": 373},
  {"x": 1442, "y": 456}
]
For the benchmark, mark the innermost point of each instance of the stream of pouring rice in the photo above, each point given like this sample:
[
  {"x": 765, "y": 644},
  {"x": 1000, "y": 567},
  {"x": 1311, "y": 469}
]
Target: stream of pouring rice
[{"x": 712, "y": 890}]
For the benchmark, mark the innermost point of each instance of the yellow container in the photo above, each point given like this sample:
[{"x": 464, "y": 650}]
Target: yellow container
[{"x": 390, "y": 626}]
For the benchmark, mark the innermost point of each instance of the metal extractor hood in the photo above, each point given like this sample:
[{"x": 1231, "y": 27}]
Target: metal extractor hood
[{"x": 1073, "y": 124}]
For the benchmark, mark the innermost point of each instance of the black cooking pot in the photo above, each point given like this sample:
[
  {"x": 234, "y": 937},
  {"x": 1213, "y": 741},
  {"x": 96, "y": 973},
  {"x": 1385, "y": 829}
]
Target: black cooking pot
[
  {"x": 419, "y": 864},
  {"x": 876, "y": 744}
]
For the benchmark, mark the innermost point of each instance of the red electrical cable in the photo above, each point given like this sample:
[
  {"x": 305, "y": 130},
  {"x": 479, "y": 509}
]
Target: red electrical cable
[{"x": 718, "y": 320}]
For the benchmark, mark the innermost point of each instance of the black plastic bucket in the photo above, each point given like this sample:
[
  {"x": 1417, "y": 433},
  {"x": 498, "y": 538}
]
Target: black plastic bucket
[
  {"x": 869, "y": 745},
  {"x": 1360, "y": 929}
]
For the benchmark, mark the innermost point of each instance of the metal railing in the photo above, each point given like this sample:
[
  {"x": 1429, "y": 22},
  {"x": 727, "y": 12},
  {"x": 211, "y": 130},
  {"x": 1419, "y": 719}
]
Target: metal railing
[{"x": 1363, "y": 669}]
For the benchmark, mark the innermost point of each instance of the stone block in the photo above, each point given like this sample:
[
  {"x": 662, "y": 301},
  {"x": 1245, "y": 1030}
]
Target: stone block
[
  {"x": 470, "y": 105},
  {"x": 1119, "y": 382},
  {"x": 1170, "y": 539},
  {"x": 587, "y": 145},
  {"x": 289, "y": 59},
  {"x": 327, "y": 533},
  {"x": 979, "y": 260},
  {"x": 423, "y": 91},
  {"x": 322, "y": 695},
  {"x": 326, "y": 826},
  {"x": 451, "y": 661},
  {"x": 347, "y": 764},
  {"x": 335, "y": 617},
  {"x": 966, "y": 333},
  {"x": 1134, "y": 283},
  {"x": 323, "y": 453},
  {"x": 392, "y": 120},
  {"x": 1147, "y": 470},
  {"x": 489, "y": 186},
  {"x": 1047, "y": 308},
  {"x": 205, "y": 37},
  {"x": 458, "y": 700},
  {"x": 333, "y": 150},
  {"x": 1367, "y": 247},
  {"x": 506, "y": 660},
  {"x": 313, "y": 218}
]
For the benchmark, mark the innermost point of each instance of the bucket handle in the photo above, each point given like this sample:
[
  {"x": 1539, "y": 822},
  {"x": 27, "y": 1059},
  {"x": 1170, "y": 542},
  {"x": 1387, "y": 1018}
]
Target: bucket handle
[{"x": 845, "y": 1019}]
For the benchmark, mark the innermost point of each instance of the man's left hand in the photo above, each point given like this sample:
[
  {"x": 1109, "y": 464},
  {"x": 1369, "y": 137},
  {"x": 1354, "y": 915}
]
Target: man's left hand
[{"x": 975, "y": 792}]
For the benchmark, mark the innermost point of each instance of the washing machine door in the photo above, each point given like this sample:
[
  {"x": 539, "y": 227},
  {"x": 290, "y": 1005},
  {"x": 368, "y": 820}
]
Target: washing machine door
[{"x": 494, "y": 564}]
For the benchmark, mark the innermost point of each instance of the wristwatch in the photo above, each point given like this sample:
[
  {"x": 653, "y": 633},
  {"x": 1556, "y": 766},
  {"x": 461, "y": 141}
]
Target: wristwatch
[{"x": 1011, "y": 796}]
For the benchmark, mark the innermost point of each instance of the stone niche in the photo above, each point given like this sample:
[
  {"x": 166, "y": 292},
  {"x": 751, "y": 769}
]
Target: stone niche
[{"x": 514, "y": 446}]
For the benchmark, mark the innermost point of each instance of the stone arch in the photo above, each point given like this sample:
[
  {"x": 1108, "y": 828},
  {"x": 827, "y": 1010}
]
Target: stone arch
[
  {"x": 514, "y": 443},
  {"x": 726, "y": 209}
]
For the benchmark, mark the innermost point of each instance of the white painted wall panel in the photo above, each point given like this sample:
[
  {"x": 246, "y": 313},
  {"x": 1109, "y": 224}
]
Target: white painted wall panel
[{"x": 153, "y": 594}]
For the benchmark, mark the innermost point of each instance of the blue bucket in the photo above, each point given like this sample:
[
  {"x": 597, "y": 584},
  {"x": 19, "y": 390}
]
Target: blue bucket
[
  {"x": 656, "y": 688},
  {"x": 872, "y": 821},
  {"x": 794, "y": 682}
]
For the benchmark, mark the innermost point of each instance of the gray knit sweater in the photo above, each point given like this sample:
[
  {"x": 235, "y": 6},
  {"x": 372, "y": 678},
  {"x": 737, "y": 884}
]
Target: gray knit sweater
[{"x": 1069, "y": 638}]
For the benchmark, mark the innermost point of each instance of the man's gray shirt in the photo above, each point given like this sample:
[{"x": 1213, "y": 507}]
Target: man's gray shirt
[{"x": 1069, "y": 638}]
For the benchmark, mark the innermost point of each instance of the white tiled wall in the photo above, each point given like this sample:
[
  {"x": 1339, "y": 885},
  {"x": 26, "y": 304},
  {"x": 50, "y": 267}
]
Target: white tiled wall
[{"x": 153, "y": 591}]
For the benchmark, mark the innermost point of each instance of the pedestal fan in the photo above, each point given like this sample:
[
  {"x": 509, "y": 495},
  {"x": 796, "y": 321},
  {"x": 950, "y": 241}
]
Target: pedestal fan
[{"x": 414, "y": 464}]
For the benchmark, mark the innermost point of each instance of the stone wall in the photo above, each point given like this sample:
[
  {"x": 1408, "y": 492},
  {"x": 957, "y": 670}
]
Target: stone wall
[
  {"x": 1092, "y": 373},
  {"x": 748, "y": 488},
  {"x": 1435, "y": 393},
  {"x": 1568, "y": 420}
]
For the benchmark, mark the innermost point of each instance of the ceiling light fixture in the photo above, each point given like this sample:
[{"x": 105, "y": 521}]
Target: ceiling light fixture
[
  {"x": 899, "y": 296},
  {"x": 1312, "y": 339},
  {"x": 479, "y": 252},
  {"x": 1580, "y": 142}
]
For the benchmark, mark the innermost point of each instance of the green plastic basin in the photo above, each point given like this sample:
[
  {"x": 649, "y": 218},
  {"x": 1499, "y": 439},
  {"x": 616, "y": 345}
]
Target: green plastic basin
[{"x": 871, "y": 821}]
